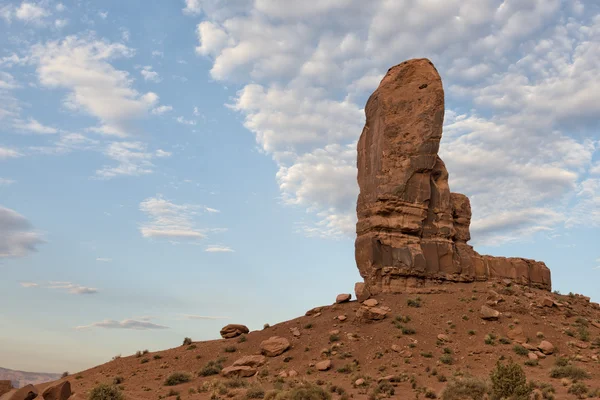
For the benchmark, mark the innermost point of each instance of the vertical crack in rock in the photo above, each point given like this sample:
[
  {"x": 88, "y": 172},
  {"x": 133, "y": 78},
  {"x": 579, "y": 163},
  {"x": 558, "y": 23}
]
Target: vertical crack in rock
[{"x": 410, "y": 227}]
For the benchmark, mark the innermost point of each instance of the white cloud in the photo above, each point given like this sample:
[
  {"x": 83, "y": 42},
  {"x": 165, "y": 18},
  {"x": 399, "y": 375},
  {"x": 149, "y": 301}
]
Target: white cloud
[
  {"x": 163, "y": 154},
  {"x": 60, "y": 7},
  {"x": 156, "y": 53},
  {"x": 7, "y": 81},
  {"x": 33, "y": 126},
  {"x": 184, "y": 121},
  {"x": 133, "y": 159},
  {"x": 6, "y": 153},
  {"x": 67, "y": 143},
  {"x": 29, "y": 284},
  {"x": 211, "y": 210},
  {"x": 149, "y": 74},
  {"x": 169, "y": 220},
  {"x": 81, "y": 66},
  {"x": 202, "y": 317},
  {"x": 71, "y": 288},
  {"x": 61, "y": 23},
  {"x": 17, "y": 236},
  {"x": 103, "y": 259},
  {"x": 161, "y": 110},
  {"x": 30, "y": 12},
  {"x": 192, "y": 7},
  {"x": 103, "y": 14},
  {"x": 307, "y": 79},
  {"x": 6, "y": 181},
  {"x": 125, "y": 324},
  {"x": 218, "y": 249}
]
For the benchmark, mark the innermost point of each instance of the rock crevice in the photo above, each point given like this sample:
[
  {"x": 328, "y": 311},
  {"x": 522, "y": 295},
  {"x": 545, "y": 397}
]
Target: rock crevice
[{"x": 410, "y": 227}]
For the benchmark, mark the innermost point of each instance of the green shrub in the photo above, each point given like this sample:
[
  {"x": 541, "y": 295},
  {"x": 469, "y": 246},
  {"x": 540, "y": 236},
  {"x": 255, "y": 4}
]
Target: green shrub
[
  {"x": 427, "y": 354},
  {"x": 105, "y": 392},
  {"x": 414, "y": 302},
  {"x": 144, "y": 360},
  {"x": 308, "y": 326},
  {"x": 157, "y": 356},
  {"x": 138, "y": 354},
  {"x": 504, "y": 340},
  {"x": 520, "y": 350},
  {"x": 230, "y": 349},
  {"x": 235, "y": 383},
  {"x": 465, "y": 388},
  {"x": 579, "y": 389},
  {"x": 213, "y": 367},
  {"x": 383, "y": 389},
  {"x": 187, "y": 341},
  {"x": 118, "y": 380},
  {"x": 191, "y": 347},
  {"x": 334, "y": 338},
  {"x": 65, "y": 374},
  {"x": 176, "y": 378},
  {"x": 569, "y": 371},
  {"x": 408, "y": 331},
  {"x": 532, "y": 363},
  {"x": 430, "y": 394},
  {"x": 304, "y": 392},
  {"x": 255, "y": 392},
  {"x": 584, "y": 334},
  {"x": 561, "y": 362},
  {"x": 509, "y": 381},
  {"x": 242, "y": 339},
  {"x": 447, "y": 359}
]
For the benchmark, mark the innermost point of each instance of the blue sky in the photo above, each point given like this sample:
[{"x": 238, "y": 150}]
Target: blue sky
[{"x": 170, "y": 167}]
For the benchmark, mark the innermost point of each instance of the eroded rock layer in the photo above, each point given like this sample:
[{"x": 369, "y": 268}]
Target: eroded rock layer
[{"x": 411, "y": 228}]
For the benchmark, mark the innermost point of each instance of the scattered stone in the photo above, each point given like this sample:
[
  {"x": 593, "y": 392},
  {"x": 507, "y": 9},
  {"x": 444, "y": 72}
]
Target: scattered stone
[
  {"x": 529, "y": 295},
  {"x": 385, "y": 378},
  {"x": 313, "y": 311},
  {"x": 295, "y": 332},
  {"x": 274, "y": 346},
  {"x": 323, "y": 365},
  {"x": 506, "y": 282},
  {"x": 532, "y": 356},
  {"x": 495, "y": 296},
  {"x": 405, "y": 354},
  {"x": 250, "y": 361},
  {"x": 292, "y": 373},
  {"x": 342, "y": 318},
  {"x": 581, "y": 345},
  {"x": 385, "y": 308},
  {"x": 370, "y": 302},
  {"x": 540, "y": 355},
  {"x": 488, "y": 313},
  {"x": 396, "y": 348},
  {"x": 516, "y": 334},
  {"x": 283, "y": 374},
  {"x": 546, "y": 347},
  {"x": 233, "y": 330},
  {"x": 370, "y": 313},
  {"x": 352, "y": 337},
  {"x": 596, "y": 324},
  {"x": 334, "y": 332},
  {"x": 343, "y": 298},
  {"x": 317, "y": 315},
  {"x": 359, "y": 382},
  {"x": 60, "y": 391},
  {"x": 547, "y": 302},
  {"x": 529, "y": 346},
  {"x": 242, "y": 371}
]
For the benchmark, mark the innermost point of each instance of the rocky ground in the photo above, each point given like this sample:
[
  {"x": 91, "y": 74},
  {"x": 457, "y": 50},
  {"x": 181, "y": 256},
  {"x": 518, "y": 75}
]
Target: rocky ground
[{"x": 415, "y": 344}]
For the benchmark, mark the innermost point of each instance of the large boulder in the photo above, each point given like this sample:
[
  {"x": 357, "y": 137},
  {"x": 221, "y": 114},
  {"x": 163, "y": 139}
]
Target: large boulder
[
  {"x": 240, "y": 371},
  {"x": 250, "y": 361},
  {"x": 28, "y": 392},
  {"x": 233, "y": 330},
  {"x": 59, "y": 391},
  {"x": 411, "y": 227},
  {"x": 274, "y": 346}
]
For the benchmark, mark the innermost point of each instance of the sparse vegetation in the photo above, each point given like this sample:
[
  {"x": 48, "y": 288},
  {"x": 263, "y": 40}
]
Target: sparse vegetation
[
  {"x": 509, "y": 381},
  {"x": 255, "y": 392},
  {"x": 118, "y": 380},
  {"x": 105, "y": 392},
  {"x": 520, "y": 350},
  {"x": 334, "y": 338},
  {"x": 579, "y": 389},
  {"x": 383, "y": 389},
  {"x": 308, "y": 326},
  {"x": 306, "y": 391},
  {"x": 414, "y": 302},
  {"x": 191, "y": 347},
  {"x": 569, "y": 371},
  {"x": 213, "y": 367},
  {"x": 157, "y": 356},
  {"x": 504, "y": 340},
  {"x": 242, "y": 339},
  {"x": 144, "y": 360},
  {"x": 65, "y": 374},
  {"x": 138, "y": 353},
  {"x": 177, "y": 377},
  {"x": 447, "y": 359},
  {"x": 187, "y": 341},
  {"x": 230, "y": 349},
  {"x": 426, "y": 354},
  {"x": 465, "y": 388}
]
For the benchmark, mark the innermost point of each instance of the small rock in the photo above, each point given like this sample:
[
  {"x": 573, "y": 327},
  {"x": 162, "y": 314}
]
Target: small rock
[
  {"x": 546, "y": 347},
  {"x": 495, "y": 296},
  {"x": 370, "y": 302},
  {"x": 581, "y": 345},
  {"x": 396, "y": 348},
  {"x": 540, "y": 355},
  {"x": 292, "y": 373},
  {"x": 352, "y": 337},
  {"x": 313, "y": 311},
  {"x": 547, "y": 302},
  {"x": 274, "y": 346},
  {"x": 242, "y": 371},
  {"x": 443, "y": 337},
  {"x": 506, "y": 282},
  {"x": 489, "y": 313},
  {"x": 283, "y": 374},
  {"x": 385, "y": 378},
  {"x": 323, "y": 365},
  {"x": 233, "y": 330},
  {"x": 317, "y": 315},
  {"x": 342, "y": 318},
  {"x": 532, "y": 356},
  {"x": 528, "y": 295},
  {"x": 295, "y": 332},
  {"x": 343, "y": 298},
  {"x": 529, "y": 346},
  {"x": 334, "y": 332},
  {"x": 405, "y": 354},
  {"x": 516, "y": 334},
  {"x": 359, "y": 382},
  {"x": 385, "y": 308}
]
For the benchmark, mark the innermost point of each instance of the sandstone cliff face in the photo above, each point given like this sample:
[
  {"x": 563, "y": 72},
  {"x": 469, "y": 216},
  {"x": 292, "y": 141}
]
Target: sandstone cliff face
[{"x": 411, "y": 228}]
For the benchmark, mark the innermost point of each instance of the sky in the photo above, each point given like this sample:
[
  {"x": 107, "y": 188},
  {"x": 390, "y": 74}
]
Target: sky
[{"x": 170, "y": 167}]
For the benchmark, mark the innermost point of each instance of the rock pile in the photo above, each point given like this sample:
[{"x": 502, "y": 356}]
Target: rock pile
[{"x": 410, "y": 227}]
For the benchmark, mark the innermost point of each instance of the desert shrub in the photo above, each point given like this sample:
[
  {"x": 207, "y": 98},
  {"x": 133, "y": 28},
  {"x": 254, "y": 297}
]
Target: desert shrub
[
  {"x": 304, "y": 392},
  {"x": 266, "y": 326},
  {"x": 579, "y": 389},
  {"x": 157, "y": 356},
  {"x": 408, "y": 331},
  {"x": 447, "y": 350},
  {"x": 187, "y": 341},
  {"x": 520, "y": 350},
  {"x": 213, "y": 367},
  {"x": 235, "y": 383},
  {"x": 230, "y": 349},
  {"x": 144, "y": 360},
  {"x": 414, "y": 302},
  {"x": 465, "y": 388},
  {"x": 582, "y": 321},
  {"x": 146, "y": 351},
  {"x": 531, "y": 363},
  {"x": 65, "y": 374},
  {"x": 308, "y": 326},
  {"x": 403, "y": 319},
  {"x": 504, "y": 340},
  {"x": 242, "y": 339},
  {"x": 471, "y": 332},
  {"x": 584, "y": 334},
  {"x": 383, "y": 389},
  {"x": 118, "y": 380},
  {"x": 427, "y": 354},
  {"x": 176, "y": 378},
  {"x": 490, "y": 339},
  {"x": 138, "y": 353},
  {"x": 561, "y": 362},
  {"x": 172, "y": 392},
  {"x": 509, "y": 381},
  {"x": 430, "y": 394},
  {"x": 105, "y": 392},
  {"x": 255, "y": 392},
  {"x": 334, "y": 338},
  {"x": 191, "y": 347},
  {"x": 569, "y": 371},
  {"x": 447, "y": 359}
]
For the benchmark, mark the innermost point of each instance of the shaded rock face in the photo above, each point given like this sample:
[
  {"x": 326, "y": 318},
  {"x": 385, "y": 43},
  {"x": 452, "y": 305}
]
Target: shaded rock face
[{"x": 410, "y": 227}]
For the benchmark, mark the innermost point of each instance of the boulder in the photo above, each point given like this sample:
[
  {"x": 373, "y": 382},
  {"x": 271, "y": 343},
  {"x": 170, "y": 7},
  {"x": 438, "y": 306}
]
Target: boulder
[
  {"x": 323, "y": 365},
  {"x": 370, "y": 302},
  {"x": 314, "y": 311},
  {"x": 250, "y": 361},
  {"x": 370, "y": 313},
  {"x": 274, "y": 346},
  {"x": 443, "y": 337},
  {"x": 516, "y": 334},
  {"x": 343, "y": 298},
  {"x": 233, "y": 330},
  {"x": 28, "y": 392},
  {"x": 410, "y": 226},
  {"x": 532, "y": 356},
  {"x": 488, "y": 313},
  {"x": 547, "y": 302},
  {"x": 361, "y": 291},
  {"x": 546, "y": 347},
  {"x": 240, "y": 371},
  {"x": 60, "y": 391}
]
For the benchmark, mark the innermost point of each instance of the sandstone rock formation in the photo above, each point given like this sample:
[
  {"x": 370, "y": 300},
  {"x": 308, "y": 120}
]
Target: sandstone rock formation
[
  {"x": 274, "y": 346},
  {"x": 233, "y": 330},
  {"x": 410, "y": 227}
]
